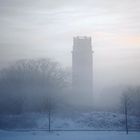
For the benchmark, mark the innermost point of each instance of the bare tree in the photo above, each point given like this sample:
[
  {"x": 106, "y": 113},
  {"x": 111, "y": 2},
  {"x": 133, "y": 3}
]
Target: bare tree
[
  {"x": 131, "y": 104},
  {"x": 125, "y": 100},
  {"x": 26, "y": 85}
]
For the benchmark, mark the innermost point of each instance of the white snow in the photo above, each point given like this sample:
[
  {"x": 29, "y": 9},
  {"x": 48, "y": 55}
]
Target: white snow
[
  {"x": 68, "y": 135},
  {"x": 24, "y": 123},
  {"x": 89, "y": 120}
]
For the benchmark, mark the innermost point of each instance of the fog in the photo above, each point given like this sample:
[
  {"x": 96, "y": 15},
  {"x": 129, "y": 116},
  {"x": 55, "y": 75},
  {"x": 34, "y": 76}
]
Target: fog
[{"x": 44, "y": 28}]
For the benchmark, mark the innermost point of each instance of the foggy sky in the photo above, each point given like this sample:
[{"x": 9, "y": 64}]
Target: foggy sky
[{"x": 45, "y": 28}]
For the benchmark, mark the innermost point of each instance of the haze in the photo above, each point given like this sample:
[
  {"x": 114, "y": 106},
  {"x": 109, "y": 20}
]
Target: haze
[{"x": 45, "y": 28}]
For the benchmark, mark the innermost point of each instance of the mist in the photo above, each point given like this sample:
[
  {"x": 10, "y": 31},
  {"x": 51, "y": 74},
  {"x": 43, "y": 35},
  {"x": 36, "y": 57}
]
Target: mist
[{"x": 38, "y": 63}]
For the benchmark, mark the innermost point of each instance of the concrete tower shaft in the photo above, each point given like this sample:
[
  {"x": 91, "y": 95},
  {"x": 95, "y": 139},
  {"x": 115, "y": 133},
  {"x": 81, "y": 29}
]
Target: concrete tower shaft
[{"x": 82, "y": 75}]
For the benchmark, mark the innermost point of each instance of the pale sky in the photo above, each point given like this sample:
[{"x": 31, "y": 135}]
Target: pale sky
[{"x": 45, "y": 28}]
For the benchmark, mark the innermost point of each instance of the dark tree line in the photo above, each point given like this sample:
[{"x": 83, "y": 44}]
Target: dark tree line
[{"x": 31, "y": 86}]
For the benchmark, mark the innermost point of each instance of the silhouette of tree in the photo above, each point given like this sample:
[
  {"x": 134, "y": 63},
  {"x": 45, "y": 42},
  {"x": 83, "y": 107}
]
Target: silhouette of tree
[{"x": 31, "y": 85}]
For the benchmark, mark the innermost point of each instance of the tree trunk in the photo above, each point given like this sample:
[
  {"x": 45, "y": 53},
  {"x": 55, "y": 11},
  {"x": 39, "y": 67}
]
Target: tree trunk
[{"x": 126, "y": 115}]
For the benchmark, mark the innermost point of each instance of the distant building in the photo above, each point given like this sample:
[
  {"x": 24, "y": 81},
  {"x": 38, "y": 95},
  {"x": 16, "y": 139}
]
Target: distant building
[{"x": 82, "y": 70}]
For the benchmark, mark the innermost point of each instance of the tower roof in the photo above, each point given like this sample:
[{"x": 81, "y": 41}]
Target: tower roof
[
  {"x": 82, "y": 38},
  {"x": 82, "y": 43}
]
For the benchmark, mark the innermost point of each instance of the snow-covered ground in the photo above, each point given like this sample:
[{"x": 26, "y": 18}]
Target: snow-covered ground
[
  {"x": 68, "y": 135},
  {"x": 27, "y": 126},
  {"x": 88, "y": 121}
]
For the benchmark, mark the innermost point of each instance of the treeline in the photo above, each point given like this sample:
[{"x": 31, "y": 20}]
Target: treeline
[
  {"x": 36, "y": 85},
  {"x": 32, "y": 86},
  {"x": 130, "y": 99}
]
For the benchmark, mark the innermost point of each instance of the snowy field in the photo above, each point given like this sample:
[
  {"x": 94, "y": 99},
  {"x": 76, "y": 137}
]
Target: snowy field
[
  {"x": 27, "y": 126},
  {"x": 77, "y": 121},
  {"x": 68, "y": 135}
]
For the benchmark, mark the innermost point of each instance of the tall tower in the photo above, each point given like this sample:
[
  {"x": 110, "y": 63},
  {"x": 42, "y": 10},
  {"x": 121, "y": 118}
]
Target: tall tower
[{"x": 82, "y": 70}]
